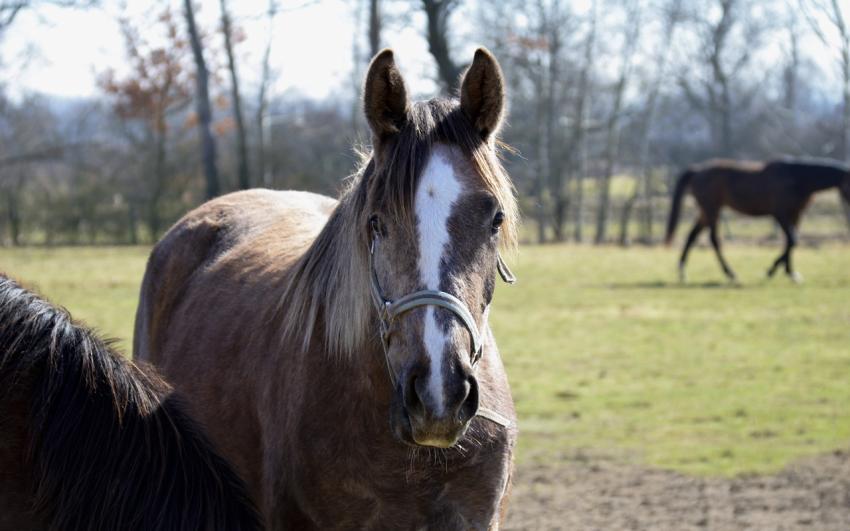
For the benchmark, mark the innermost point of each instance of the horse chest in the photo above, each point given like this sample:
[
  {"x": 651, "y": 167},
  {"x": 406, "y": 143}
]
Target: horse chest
[{"x": 380, "y": 484}]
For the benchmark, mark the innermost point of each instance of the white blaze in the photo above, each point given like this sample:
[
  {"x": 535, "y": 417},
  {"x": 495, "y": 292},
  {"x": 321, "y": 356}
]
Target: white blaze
[{"x": 438, "y": 190}]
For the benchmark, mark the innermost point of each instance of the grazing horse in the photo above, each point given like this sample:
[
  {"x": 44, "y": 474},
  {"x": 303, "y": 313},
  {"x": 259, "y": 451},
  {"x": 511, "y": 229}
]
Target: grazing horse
[
  {"x": 782, "y": 189},
  {"x": 89, "y": 440},
  {"x": 339, "y": 351}
]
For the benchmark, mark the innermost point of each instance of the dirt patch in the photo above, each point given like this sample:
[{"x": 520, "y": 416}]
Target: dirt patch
[{"x": 811, "y": 494}]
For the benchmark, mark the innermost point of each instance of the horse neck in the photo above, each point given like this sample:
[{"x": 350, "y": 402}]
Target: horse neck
[
  {"x": 824, "y": 178},
  {"x": 326, "y": 297}
]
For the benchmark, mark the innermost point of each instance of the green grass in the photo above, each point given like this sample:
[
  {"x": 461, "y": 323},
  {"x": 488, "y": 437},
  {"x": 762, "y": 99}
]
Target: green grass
[
  {"x": 608, "y": 355},
  {"x": 98, "y": 285}
]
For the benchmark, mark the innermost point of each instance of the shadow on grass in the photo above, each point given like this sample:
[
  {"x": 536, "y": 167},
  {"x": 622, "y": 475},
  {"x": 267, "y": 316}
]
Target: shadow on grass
[{"x": 660, "y": 284}]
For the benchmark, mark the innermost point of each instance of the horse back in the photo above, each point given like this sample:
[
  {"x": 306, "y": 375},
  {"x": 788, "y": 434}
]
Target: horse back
[{"x": 745, "y": 186}]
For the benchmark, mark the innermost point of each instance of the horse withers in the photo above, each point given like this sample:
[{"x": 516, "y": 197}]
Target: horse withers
[
  {"x": 339, "y": 350},
  {"x": 91, "y": 441},
  {"x": 781, "y": 189}
]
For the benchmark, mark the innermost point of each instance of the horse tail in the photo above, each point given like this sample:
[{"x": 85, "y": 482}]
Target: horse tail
[
  {"x": 110, "y": 445},
  {"x": 676, "y": 205}
]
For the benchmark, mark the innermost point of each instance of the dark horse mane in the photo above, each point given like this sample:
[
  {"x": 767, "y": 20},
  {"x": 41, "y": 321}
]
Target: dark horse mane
[{"x": 110, "y": 445}]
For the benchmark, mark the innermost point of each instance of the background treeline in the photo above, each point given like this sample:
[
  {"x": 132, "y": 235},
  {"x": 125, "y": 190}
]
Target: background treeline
[{"x": 610, "y": 100}]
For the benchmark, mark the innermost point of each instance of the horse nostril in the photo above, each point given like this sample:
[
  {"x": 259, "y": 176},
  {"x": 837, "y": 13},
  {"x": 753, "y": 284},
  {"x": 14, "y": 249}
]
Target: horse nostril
[
  {"x": 412, "y": 402},
  {"x": 469, "y": 406}
]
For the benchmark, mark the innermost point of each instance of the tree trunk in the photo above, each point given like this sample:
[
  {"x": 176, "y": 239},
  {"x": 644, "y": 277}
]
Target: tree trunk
[
  {"x": 262, "y": 100},
  {"x": 612, "y": 135},
  {"x": 133, "y": 224},
  {"x": 14, "y": 217},
  {"x": 576, "y": 146},
  {"x": 612, "y": 149},
  {"x": 644, "y": 165},
  {"x": 374, "y": 27},
  {"x": 438, "y": 13},
  {"x": 540, "y": 180},
  {"x": 553, "y": 152},
  {"x": 626, "y": 216},
  {"x": 241, "y": 144},
  {"x": 154, "y": 217},
  {"x": 202, "y": 99},
  {"x": 578, "y": 209},
  {"x": 845, "y": 122}
]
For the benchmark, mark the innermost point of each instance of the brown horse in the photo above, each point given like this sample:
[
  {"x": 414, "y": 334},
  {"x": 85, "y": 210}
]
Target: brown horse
[
  {"x": 89, "y": 440},
  {"x": 339, "y": 351},
  {"x": 781, "y": 189}
]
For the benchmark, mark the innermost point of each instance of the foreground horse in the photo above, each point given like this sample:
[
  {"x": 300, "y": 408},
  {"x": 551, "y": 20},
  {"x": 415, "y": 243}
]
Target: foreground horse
[
  {"x": 339, "y": 351},
  {"x": 90, "y": 441},
  {"x": 781, "y": 189}
]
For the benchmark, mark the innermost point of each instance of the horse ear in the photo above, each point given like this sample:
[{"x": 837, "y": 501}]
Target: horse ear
[
  {"x": 384, "y": 96},
  {"x": 482, "y": 93}
]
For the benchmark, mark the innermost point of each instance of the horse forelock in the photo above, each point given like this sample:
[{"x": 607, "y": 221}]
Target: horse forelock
[{"x": 328, "y": 287}]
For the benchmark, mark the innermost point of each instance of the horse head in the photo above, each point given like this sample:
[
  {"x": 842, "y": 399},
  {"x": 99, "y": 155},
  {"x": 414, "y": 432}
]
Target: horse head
[{"x": 438, "y": 208}]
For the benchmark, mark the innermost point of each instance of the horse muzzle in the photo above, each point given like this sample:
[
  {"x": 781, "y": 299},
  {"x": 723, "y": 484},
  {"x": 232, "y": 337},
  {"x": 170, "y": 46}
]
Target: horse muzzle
[{"x": 423, "y": 420}]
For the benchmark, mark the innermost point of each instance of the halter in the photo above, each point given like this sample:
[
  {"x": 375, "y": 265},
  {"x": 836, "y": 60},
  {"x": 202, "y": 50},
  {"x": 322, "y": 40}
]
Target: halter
[{"x": 389, "y": 310}]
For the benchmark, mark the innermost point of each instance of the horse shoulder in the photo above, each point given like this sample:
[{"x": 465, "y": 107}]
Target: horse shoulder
[{"x": 204, "y": 235}]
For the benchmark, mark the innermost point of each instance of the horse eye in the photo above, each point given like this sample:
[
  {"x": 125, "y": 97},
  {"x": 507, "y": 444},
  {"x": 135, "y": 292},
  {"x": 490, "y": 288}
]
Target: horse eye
[
  {"x": 375, "y": 225},
  {"x": 498, "y": 219}
]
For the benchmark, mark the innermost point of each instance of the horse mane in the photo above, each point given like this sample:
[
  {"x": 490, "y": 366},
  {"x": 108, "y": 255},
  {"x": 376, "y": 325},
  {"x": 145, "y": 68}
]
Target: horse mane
[
  {"x": 813, "y": 162},
  {"x": 110, "y": 445},
  {"x": 328, "y": 287}
]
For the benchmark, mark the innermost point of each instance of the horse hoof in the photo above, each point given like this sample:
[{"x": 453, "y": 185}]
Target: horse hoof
[
  {"x": 683, "y": 277},
  {"x": 796, "y": 277}
]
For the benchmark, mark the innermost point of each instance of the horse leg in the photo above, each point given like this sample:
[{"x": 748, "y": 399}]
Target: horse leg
[
  {"x": 783, "y": 258},
  {"x": 791, "y": 242},
  {"x": 692, "y": 237},
  {"x": 715, "y": 242}
]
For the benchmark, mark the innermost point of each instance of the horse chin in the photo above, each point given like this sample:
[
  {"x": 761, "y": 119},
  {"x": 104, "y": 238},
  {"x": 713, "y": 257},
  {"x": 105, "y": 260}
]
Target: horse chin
[
  {"x": 438, "y": 441},
  {"x": 405, "y": 432}
]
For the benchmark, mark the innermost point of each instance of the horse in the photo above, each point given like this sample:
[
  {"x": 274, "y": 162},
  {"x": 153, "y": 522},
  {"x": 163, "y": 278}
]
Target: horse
[
  {"x": 781, "y": 189},
  {"x": 91, "y": 441},
  {"x": 339, "y": 351}
]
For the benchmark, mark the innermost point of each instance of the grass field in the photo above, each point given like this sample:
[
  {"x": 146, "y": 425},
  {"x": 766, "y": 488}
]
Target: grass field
[{"x": 608, "y": 356}]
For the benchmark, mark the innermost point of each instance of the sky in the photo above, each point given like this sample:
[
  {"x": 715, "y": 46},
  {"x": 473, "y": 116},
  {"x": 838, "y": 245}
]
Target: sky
[{"x": 60, "y": 51}]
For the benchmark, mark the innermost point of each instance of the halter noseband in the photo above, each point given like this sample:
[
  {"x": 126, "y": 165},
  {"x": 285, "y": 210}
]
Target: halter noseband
[{"x": 389, "y": 310}]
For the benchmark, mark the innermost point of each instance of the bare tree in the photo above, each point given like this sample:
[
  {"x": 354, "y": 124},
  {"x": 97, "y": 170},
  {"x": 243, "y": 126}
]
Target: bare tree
[
  {"x": 726, "y": 61},
  {"x": 157, "y": 87},
  {"x": 612, "y": 126},
  {"x": 576, "y": 145},
  {"x": 262, "y": 96},
  {"x": 555, "y": 20},
  {"x": 833, "y": 14},
  {"x": 437, "y": 13},
  {"x": 10, "y": 9},
  {"x": 202, "y": 104},
  {"x": 236, "y": 100},
  {"x": 671, "y": 17}
]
